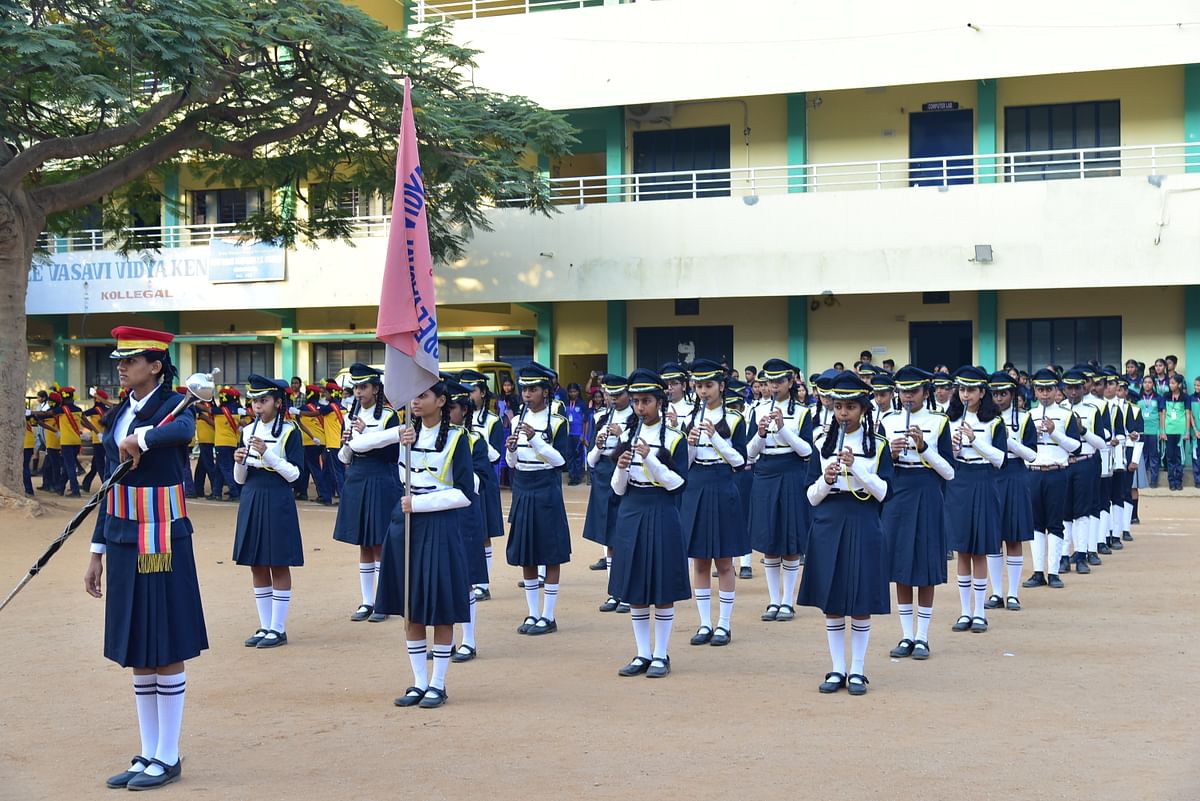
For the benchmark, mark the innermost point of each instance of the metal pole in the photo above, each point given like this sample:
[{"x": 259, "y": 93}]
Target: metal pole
[{"x": 408, "y": 532}]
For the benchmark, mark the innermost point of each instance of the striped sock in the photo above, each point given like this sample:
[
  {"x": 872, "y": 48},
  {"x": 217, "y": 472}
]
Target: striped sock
[
  {"x": 704, "y": 606},
  {"x": 262, "y": 600},
  {"x": 531, "y": 596},
  {"x": 171, "y": 693},
  {"x": 964, "y": 594},
  {"x": 995, "y": 566},
  {"x": 468, "y": 629},
  {"x": 860, "y": 635},
  {"x": 771, "y": 569},
  {"x": 924, "y": 615},
  {"x": 641, "y": 630},
  {"x": 791, "y": 575},
  {"x": 280, "y": 600},
  {"x": 366, "y": 580},
  {"x": 835, "y": 632},
  {"x": 905, "y": 611},
  {"x": 1015, "y": 565},
  {"x": 664, "y": 620},
  {"x": 549, "y": 600},
  {"x": 726, "y": 602},
  {"x": 416, "y": 657},
  {"x": 145, "y": 695},
  {"x": 441, "y": 663},
  {"x": 980, "y": 588},
  {"x": 487, "y": 554}
]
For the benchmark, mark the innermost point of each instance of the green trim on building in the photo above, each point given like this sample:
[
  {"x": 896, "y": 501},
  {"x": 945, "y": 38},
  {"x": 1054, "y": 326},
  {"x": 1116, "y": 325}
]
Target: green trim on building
[
  {"x": 797, "y": 141},
  {"x": 1191, "y": 333},
  {"x": 1191, "y": 116},
  {"x": 618, "y": 336},
  {"x": 544, "y": 343},
  {"x": 172, "y": 205},
  {"x": 986, "y": 131},
  {"x": 797, "y": 332},
  {"x": 988, "y": 330},
  {"x": 614, "y": 138},
  {"x": 61, "y": 326},
  {"x": 287, "y": 343}
]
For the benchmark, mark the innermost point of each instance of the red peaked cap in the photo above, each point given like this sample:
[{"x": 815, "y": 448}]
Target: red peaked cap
[{"x": 132, "y": 340}]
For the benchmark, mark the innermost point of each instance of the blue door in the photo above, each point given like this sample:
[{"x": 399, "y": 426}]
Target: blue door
[{"x": 932, "y": 137}]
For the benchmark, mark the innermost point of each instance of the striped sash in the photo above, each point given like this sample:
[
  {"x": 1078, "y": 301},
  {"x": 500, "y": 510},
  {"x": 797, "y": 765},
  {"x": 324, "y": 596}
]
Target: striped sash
[{"x": 154, "y": 508}]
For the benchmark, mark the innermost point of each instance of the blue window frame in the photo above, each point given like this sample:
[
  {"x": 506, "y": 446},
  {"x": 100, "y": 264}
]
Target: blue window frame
[{"x": 1063, "y": 126}]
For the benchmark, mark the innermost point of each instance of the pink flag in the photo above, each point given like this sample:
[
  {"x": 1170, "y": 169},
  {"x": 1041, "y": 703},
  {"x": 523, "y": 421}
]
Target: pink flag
[{"x": 407, "y": 315}]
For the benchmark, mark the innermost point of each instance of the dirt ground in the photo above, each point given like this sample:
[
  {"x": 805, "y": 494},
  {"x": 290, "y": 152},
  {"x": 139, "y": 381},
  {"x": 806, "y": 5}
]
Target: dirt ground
[{"x": 1089, "y": 692}]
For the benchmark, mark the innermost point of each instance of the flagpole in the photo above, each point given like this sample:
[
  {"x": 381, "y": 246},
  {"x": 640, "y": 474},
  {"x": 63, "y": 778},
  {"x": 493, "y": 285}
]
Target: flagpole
[{"x": 408, "y": 532}]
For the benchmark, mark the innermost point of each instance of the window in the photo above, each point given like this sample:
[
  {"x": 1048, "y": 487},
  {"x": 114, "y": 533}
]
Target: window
[
  {"x": 225, "y": 206},
  {"x": 1063, "y": 126},
  {"x": 236, "y": 362},
  {"x": 683, "y": 151},
  {"x": 456, "y": 350},
  {"x": 1033, "y": 344},
  {"x": 687, "y": 307},
  {"x": 350, "y": 201},
  {"x": 517, "y": 351},
  {"x": 330, "y": 357},
  {"x": 99, "y": 370}
]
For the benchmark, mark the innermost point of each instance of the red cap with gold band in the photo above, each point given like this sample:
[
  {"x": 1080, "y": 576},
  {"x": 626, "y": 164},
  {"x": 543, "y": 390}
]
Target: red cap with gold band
[{"x": 132, "y": 341}]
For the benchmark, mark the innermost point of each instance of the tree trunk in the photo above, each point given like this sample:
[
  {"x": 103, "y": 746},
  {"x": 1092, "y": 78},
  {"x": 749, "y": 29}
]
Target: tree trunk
[{"x": 20, "y": 224}]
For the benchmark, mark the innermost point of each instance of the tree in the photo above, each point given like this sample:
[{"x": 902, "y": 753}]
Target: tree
[{"x": 99, "y": 98}]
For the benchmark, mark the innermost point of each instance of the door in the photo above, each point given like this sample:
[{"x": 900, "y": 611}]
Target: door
[
  {"x": 934, "y": 343},
  {"x": 683, "y": 344},
  {"x": 683, "y": 151},
  {"x": 934, "y": 135}
]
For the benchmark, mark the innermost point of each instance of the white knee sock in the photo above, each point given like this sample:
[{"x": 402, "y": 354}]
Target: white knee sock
[
  {"x": 608, "y": 563},
  {"x": 924, "y": 615},
  {"x": 468, "y": 637},
  {"x": 280, "y": 600},
  {"x": 262, "y": 600},
  {"x": 995, "y": 568},
  {"x": 1039, "y": 551},
  {"x": 1094, "y": 532},
  {"x": 905, "y": 611},
  {"x": 420, "y": 667},
  {"x": 745, "y": 562},
  {"x": 549, "y": 600},
  {"x": 664, "y": 620},
  {"x": 704, "y": 606},
  {"x": 771, "y": 569},
  {"x": 726, "y": 607},
  {"x": 541, "y": 572},
  {"x": 1079, "y": 537},
  {"x": 860, "y": 635},
  {"x": 1057, "y": 544},
  {"x": 441, "y": 663},
  {"x": 171, "y": 691},
  {"x": 791, "y": 574},
  {"x": 487, "y": 554},
  {"x": 531, "y": 596},
  {"x": 145, "y": 695},
  {"x": 835, "y": 633},
  {"x": 1101, "y": 530},
  {"x": 1068, "y": 539},
  {"x": 1128, "y": 517},
  {"x": 366, "y": 579},
  {"x": 964, "y": 594},
  {"x": 980, "y": 587},
  {"x": 1015, "y": 564},
  {"x": 641, "y": 630}
]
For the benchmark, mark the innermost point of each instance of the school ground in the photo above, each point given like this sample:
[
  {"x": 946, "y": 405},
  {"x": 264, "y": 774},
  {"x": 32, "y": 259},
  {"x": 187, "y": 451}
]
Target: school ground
[{"x": 1089, "y": 692}]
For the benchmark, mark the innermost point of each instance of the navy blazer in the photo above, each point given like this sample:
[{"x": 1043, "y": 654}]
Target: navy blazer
[{"x": 161, "y": 465}]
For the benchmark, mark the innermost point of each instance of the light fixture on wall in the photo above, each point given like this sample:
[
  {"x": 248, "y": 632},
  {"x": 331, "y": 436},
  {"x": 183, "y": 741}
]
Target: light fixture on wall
[
  {"x": 816, "y": 102},
  {"x": 983, "y": 254}
]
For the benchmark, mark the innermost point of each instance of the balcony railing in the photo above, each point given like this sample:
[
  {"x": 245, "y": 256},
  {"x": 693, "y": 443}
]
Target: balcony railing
[
  {"x": 426, "y": 11},
  {"x": 1038, "y": 165}
]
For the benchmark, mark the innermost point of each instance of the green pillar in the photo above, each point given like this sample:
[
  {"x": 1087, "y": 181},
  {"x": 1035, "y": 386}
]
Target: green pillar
[
  {"x": 614, "y": 150},
  {"x": 618, "y": 336},
  {"x": 287, "y": 327},
  {"x": 988, "y": 327},
  {"x": 797, "y": 332},
  {"x": 1191, "y": 332},
  {"x": 61, "y": 352},
  {"x": 171, "y": 206},
  {"x": 1191, "y": 116},
  {"x": 797, "y": 141},
  {"x": 986, "y": 130},
  {"x": 544, "y": 346}
]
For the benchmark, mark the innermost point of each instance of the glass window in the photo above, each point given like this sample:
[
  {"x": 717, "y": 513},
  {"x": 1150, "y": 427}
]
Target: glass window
[
  {"x": 456, "y": 350},
  {"x": 236, "y": 362},
  {"x": 99, "y": 370},
  {"x": 1032, "y": 344},
  {"x": 330, "y": 357},
  {"x": 1063, "y": 126},
  {"x": 225, "y": 206}
]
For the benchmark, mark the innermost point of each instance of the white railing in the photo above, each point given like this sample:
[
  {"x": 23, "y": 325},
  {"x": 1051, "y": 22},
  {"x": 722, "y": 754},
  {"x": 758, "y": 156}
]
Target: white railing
[
  {"x": 881, "y": 174},
  {"x": 426, "y": 11},
  {"x": 182, "y": 236}
]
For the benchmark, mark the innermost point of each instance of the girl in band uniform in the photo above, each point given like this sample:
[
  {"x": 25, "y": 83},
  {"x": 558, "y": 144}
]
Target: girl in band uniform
[
  {"x": 1016, "y": 502},
  {"x": 649, "y": 554},
  {"x": 268, "y": 528},
  {"x": 462, "y": 411},
  {"x": 712, "y": 515},
  {"x": 846, "y": 572},
  {"x": 610, "y": 425},
  {"x": 487, "y": 424},
  {"x": 736, "y": 393},
  {"x": 227, "y": 426},
  {"x": 91, "y": 420},
  {"x": 372, "y": 488}
]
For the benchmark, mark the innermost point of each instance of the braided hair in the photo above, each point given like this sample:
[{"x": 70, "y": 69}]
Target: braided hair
[
  {"x": 487, "y": 401},
  {"x": 626, "y": 443},
  {"x": 868, "y": 436},
  {"x": 722, "y": 427},
  {"x": 988, "y": 410},
  {"x": 439, "y": 389}
]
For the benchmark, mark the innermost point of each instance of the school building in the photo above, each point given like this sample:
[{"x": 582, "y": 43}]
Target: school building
[{"x": 752, "y": 180}]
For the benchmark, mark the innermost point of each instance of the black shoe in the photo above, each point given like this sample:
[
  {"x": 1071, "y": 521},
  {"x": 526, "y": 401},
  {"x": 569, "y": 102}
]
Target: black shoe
[
  {"x": 745, "y": 572},
  {"x": 434, "y": 698},
  {"x": 703, "y": 636},
  {"x": 526, "y": 624},
  {"x": 622, "y": 608},
  {"x": 610, "y": 605},
  {"x": 786, "y": 612},
  {"x": 255, "y": 638},
  {"x": 856, "y": 687},
  {"x": 636, "y": 667},
  {"x": 1054, "y": 581},
  {"x": 122, "y": 779},
  {"x": 599, "y": 564},
  {"x": 721, "y": 636},
  {"x": 537, "y": 629},
  {"x": 363, "y": 612},
  {"x": 377, "y": 617},
  {"x": 1064, "y": 564},
  {"x": 993, "y": 602},
  {"x": 412, "y": 696},
  {"x": 659, "y": 667},
  {"x": 482, "y": 594},
  {"x": 1126, "y": 536},
  {"x": 1135, "y": 520},
  {"x": 979, "y": 625},
  {"x": 273, "y": 639},
  {"x": 1012, "y": 603},
  {"x": 1093, "y": 558},
  {"x": 772, "y": 612},
  {"x": 1102, "y": 547},
  {"x": 171, "y": 773},
  {"x": 962, "y": 624},
  {"x": 1081, "y": 565},
  {"x": 833, "y": 682},
  {"x": 920, "y": 650},
  {"x": 463, "y": 653},
  {"x": 1038, "y": 579},
  {"x": 903, "y": 649},
  {"x": 1114, "y": 543}
]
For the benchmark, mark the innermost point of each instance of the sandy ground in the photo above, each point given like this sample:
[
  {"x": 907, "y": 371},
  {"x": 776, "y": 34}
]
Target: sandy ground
[{"x": 1090, "y": 692}]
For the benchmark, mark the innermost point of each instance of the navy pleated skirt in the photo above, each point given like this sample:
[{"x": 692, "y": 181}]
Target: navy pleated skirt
[
  {"x": 1016, "y": 503},
  {"x": 713, "y": 520},
  {"x": 602, "y": 504},
  {"x": 473, "y": 538},
  {"x": 538, "y": 533},
  {"x": 153, "y": 619},
  {"x": 973, "y": 509},
  {"x": 845, "y": 567},
  {"x": 915, "y": 528},
  {"x": 371, "y": 492},
  {"x": 649, "y": 566},
  {"x": 268, "y": 528},
  {"x": 493, "y": 514},
  {"x": 441, "y": 576},
  {"x": 779, "y": 508}
]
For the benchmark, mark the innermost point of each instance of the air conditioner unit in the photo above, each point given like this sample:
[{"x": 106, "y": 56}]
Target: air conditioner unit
[{"x": 650, "y": 112}]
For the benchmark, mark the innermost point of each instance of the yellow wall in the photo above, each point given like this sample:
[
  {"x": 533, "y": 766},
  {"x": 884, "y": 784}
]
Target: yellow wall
[
  {"x": 580, "y": 328},
  {"x": 766, "y": 117},
  {"x": 389, "y": 12},
  {"x": 759, "y": 326}
]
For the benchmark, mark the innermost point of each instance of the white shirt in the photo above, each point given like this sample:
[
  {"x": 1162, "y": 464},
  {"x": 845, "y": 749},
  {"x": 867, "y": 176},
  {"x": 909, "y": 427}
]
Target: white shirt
[
  {"x": 981, "y": 450},
  {"x": 123, "y": 421},
  {"x": 788, "y": 438},
  {"x": 1053, "y": 449},
  {"x": 862, "y": 478},
  {"x": 896, "y": 424},
  {"x": 716, "y": 449}
]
